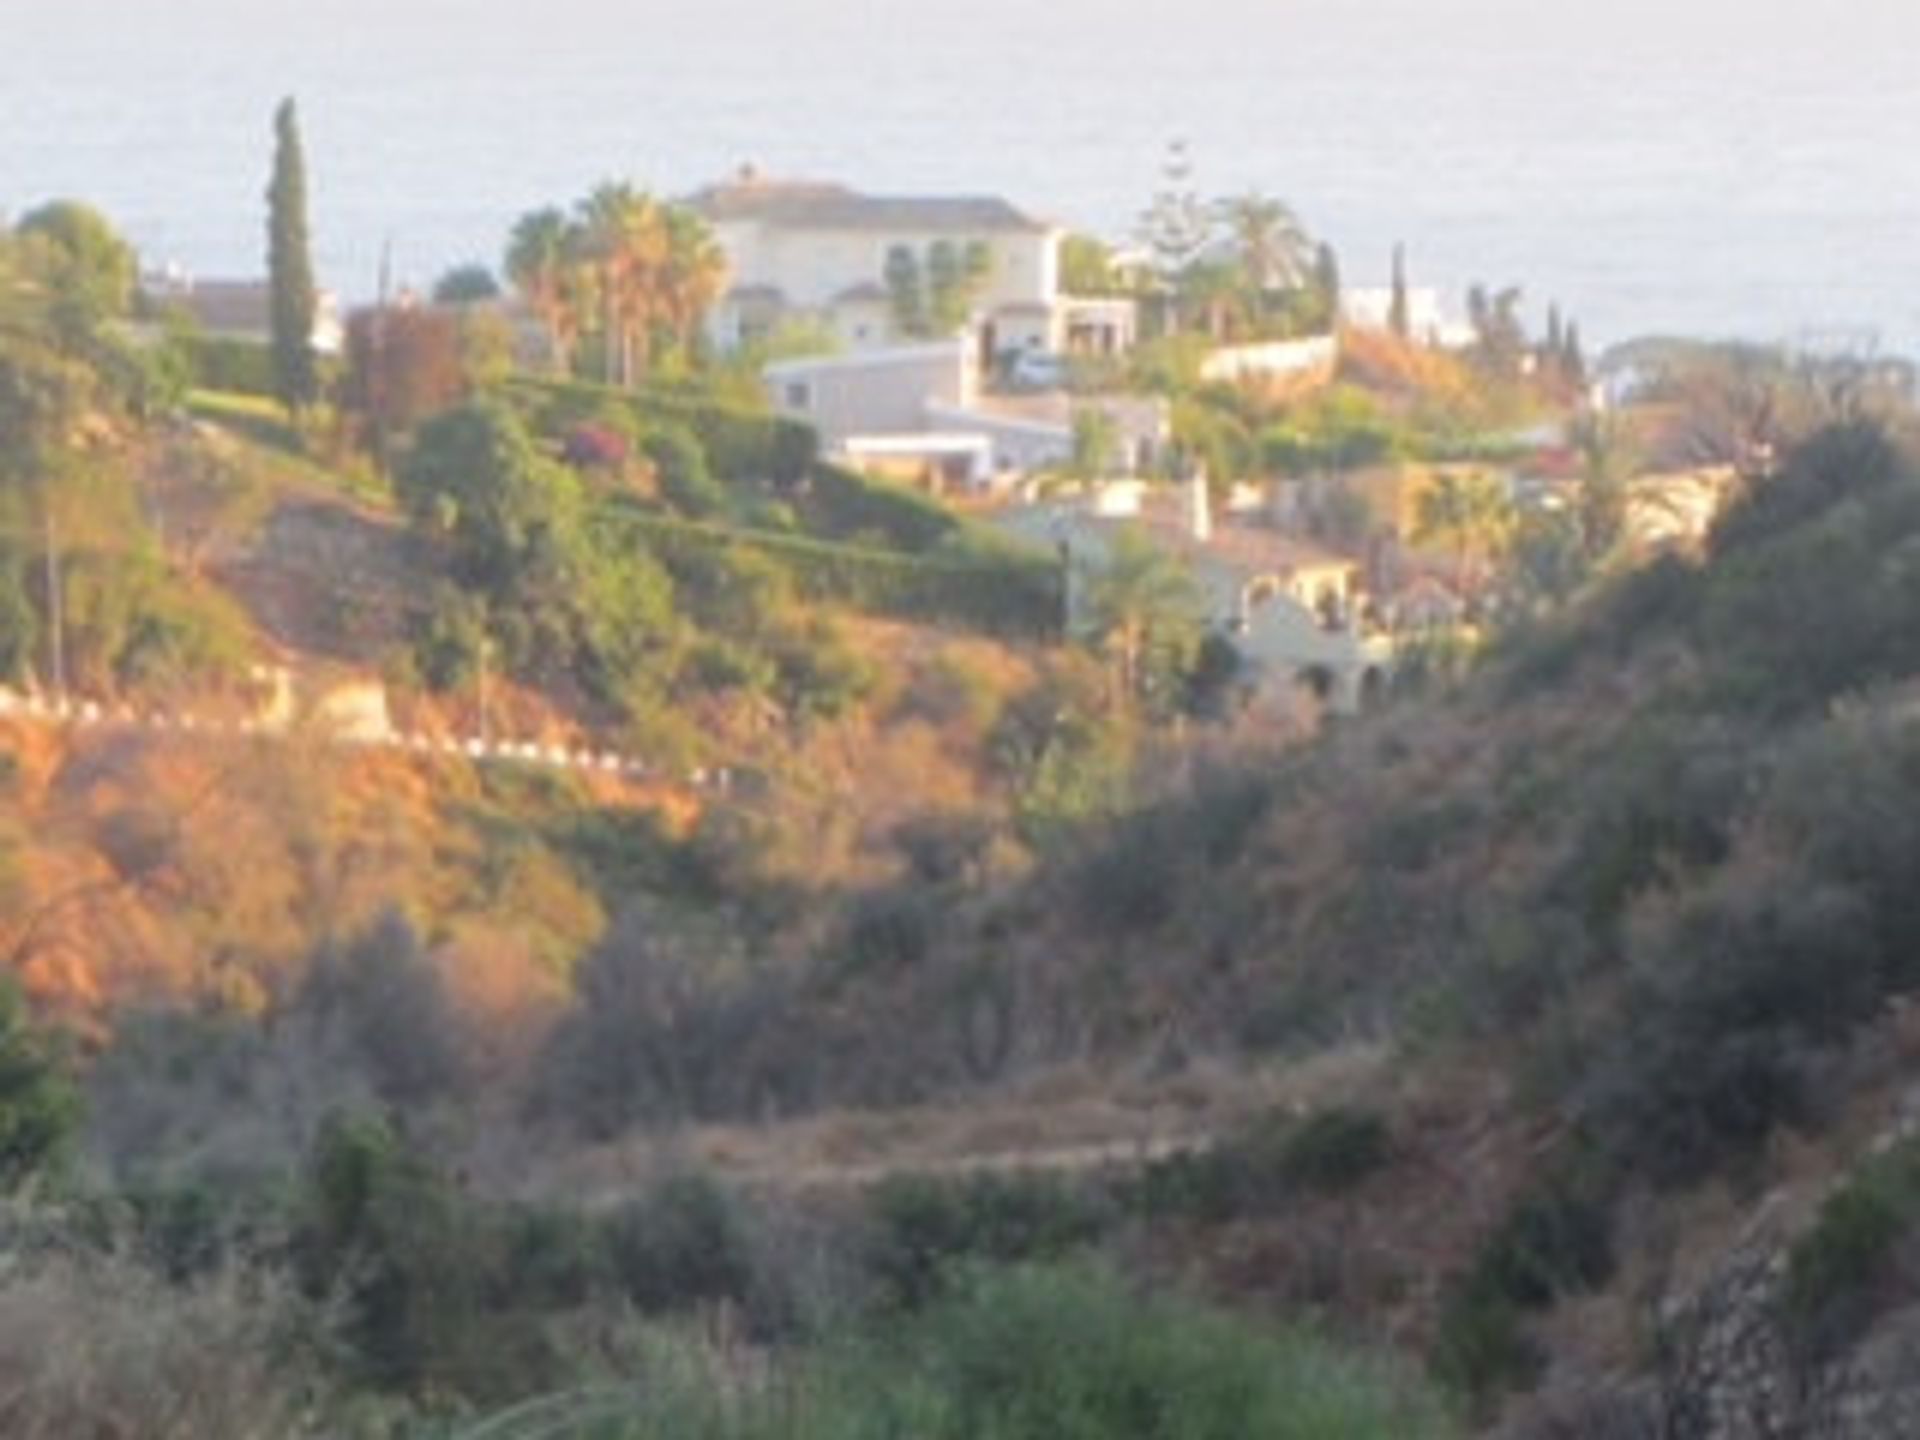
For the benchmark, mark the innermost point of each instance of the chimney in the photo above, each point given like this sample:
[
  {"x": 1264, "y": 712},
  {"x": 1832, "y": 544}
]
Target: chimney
[{"x": 1199, "y": 506}]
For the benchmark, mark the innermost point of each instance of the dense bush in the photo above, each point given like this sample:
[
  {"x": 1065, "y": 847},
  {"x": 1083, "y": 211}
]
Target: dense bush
[
  {"x": 1555, "y": 1241},
  {"x": 1272, "y": 1161},
  {"x": 385, "y": 1004},
  {"x": 1011, "y": 595},
  {"x": 1047, "y": 1354},
  {"x": 240, "y": 367},
  {"x": 923, "y": 1226},
  {"x": 38, "y": 1105},
  {"x": 98, "y": 1346},
  {"x": 680, "y": 468},
  {"x": 444, "y": 1295},
  {"x": 1730, "y": 1000},
  {"x": 740, "y": 445},
  {"x": 565, "y": 601},
  {"x": 674, "y": 1023},
  {"x": 679, "y": 1245},
  {"x": 845, "y": 505},
  {"x": 1843, "y": 463},
  {"x": 1838, "y": 1268}
]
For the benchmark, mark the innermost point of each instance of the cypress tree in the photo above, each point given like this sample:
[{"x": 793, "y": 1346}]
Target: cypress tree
[
  {"x": 1326, "y": 283},
  {"x": 1573, "y": 356},
  {"x": 1400, "y": 316},
  {"x": 292, "y": 301}
]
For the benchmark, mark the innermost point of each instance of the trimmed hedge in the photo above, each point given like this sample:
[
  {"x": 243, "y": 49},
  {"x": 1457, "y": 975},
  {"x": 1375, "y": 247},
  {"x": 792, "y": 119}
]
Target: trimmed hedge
[
  {"x": 1009, "y": 594},
  {"x": 741, "y": 444},
  {"x": 239, "y": 367},
  {"x": 844, "y": 504}
]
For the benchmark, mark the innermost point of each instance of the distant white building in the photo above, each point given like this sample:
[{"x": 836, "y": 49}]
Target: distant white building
[
  {"x": 927, "y": 400},
  {"x": 1287, "y": 607},
  {"x": 874, "y": 391},
  {"x": 241, "y": 309},
  {"x": 821, "y": 253},
  {"x": 1427, "y": 320}
]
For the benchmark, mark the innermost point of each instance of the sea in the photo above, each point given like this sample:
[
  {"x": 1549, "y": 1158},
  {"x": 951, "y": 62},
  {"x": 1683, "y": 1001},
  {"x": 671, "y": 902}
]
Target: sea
[{"x": 1692, "y": 167}]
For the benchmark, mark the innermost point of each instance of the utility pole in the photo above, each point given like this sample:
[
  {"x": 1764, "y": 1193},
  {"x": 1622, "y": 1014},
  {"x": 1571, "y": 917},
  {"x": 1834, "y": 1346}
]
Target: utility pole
[
  {"x": 376, "y": 396},
  {"x": 56, "y": 613},
  {"x": 486, "y": 719}
]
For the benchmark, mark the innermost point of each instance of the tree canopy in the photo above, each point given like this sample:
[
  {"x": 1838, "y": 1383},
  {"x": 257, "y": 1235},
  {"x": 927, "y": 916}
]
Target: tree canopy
[
  {"x": 87, "y": 268},
  {"x": 624, "y": 272},
  {"x": 1143, "y": 610},
  {"x": 294, "y": 297}
]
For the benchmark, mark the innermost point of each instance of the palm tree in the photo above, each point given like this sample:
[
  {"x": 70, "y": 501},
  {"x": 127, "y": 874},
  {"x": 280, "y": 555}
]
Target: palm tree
[
  {"x": 1143, "y": 606},
  {"x": 1500, "y": 335},
  {"x": 538, "y": 262},
  {"x": 1218, "y": 294},
  {"x": 1271, "y": 246},
  {"x": 696, "y": 273},
  {"x": 1468, "y": 512},
  {"x": 620, "y": 245}
]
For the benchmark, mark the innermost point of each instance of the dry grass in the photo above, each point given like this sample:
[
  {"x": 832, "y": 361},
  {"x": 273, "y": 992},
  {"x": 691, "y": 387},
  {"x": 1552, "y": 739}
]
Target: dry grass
[
  {"x": 99, "y": 1350},
  {"x": 1065, "y": 1120}
]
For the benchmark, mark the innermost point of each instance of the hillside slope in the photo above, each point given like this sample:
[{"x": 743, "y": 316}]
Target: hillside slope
[{"x": 1633, "y": 911}]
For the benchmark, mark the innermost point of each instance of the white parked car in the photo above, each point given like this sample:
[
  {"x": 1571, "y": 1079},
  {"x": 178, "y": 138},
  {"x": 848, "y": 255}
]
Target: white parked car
[{"x": 1038, "y": 370}]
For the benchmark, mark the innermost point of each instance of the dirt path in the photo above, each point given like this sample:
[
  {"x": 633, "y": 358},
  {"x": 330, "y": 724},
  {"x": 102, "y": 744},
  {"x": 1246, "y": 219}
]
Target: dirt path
[{"x": 1078, "y": 1125}]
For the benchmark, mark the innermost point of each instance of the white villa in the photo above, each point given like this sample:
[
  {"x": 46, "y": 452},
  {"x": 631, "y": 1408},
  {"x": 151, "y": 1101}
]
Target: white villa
[
  {"x": 1288, "y": 607},
  {"x": 820, "y": 252},
  {"x": 921, "y": 410}
]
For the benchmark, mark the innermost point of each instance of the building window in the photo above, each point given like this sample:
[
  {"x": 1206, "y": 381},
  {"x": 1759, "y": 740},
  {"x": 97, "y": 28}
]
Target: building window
[{"x": 799, "y": 395}]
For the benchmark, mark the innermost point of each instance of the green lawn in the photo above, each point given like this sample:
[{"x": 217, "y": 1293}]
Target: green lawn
[{"x": 261, "y": 423}]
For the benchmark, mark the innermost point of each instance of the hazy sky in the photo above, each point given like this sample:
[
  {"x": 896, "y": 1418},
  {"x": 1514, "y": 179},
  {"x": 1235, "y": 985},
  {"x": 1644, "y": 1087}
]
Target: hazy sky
[{"x": 1658, "y": 156}]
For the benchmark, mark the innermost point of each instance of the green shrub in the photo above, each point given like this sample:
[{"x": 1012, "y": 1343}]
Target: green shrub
[
  {"x": 450, "y": 636},
  {"x": 1268, "y": 1163},
  {"x": 741, "y": 445},
  {"x": 923, "y": 1226},
  {"x": 1842, "y": 463},
  {"x": 1135, "y": 873},
  {"x": 181, "y": 1231},
  {"x": 38, "y": 1104},
  {"x": 680, "y": 465},
  {"x": 1025, "y": 1354},
  {"x": 889, "y": 931},
  {"x": 844, "y": 505},
  {"x": 383, "y": 1234},
  {"x": 1008, "y": 594},
  {"x": 555, "y": 1259},
  {"x": 678, "y": 1246},
  {"x": 1335, "y": 1150},
  {"x": 1555, "y": 1241},
  {"x": 1836, "y": 1268},
  {"x": 1728, "y": 1004},
  {"x": 821, "y": 673},
  {"x": 719, "y": 665},
  {"x": 236, "y": 367},
  {"x": 1481, "y": 1348}
]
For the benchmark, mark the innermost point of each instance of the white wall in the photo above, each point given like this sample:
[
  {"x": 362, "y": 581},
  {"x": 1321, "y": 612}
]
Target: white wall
[
  {"x": 1277, "y": 361},
  {"x": 1019, "y": 445},
  {"x": 884, "y": 392}
]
